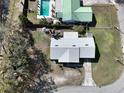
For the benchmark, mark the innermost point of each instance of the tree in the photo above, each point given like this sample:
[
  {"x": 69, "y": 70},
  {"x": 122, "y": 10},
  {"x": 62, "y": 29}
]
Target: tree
[
  {"x": 80, "y": 29},
  {"x": 43, "y": 22},
  {"x": 24, "y": 20},
  {"x": 19, "y": 71},
  {"x": 15, "y": 60}
]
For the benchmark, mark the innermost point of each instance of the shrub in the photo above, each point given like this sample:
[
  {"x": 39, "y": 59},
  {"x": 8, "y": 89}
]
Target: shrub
[
  {"x": 80, "y": 29},
  {"x": 23, "y": 19},
  {"x": 43, "y": 22}
]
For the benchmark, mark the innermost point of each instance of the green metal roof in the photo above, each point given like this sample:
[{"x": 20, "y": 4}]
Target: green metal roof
[
  {"x": 83, "y": 17},
  {"x": 71, "y": 10},
  {"x": 67, "y": 9},
  {"x": 84, "y": 9},
  {"x": 83, "y": 14}
]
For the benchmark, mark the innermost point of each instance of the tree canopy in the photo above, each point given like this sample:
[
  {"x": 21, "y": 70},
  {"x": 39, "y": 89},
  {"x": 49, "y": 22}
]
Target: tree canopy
[{"x": 23, "y": 66}]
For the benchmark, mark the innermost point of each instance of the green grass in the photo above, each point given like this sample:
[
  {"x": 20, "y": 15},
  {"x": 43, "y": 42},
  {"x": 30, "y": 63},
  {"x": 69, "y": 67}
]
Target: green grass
[
  {"x": 103, "y": 15},
  {"x": 38, "y": 37},
  {"x": 107, "y": 69},
  {"x": 42, "y": 41}
]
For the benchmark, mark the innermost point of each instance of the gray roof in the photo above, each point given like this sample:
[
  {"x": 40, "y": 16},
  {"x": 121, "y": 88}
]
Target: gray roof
[
  {"x": 73, "y": 42},
  {"x": 69, "y": 49}
]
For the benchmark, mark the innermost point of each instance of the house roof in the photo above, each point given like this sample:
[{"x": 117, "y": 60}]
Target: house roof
[
  {"x": 71, "y": 10},
  {"x": 84, "y": 9},
  {"x": 70, "y": 34},
  {"x": 72, "y": 42},
  {"x": 69, "y": 49},
  {"x": 70, "y": 55}
]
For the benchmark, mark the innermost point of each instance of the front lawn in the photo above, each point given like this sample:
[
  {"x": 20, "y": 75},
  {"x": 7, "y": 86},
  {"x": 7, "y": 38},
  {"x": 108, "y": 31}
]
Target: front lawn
[
  {"x": 109, "y": 67},
  {"x": 104, "y": 15}
]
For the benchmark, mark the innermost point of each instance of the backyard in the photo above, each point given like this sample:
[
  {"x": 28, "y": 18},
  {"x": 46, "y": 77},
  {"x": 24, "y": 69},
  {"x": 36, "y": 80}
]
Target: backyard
[{"x": 108, "y": 66}]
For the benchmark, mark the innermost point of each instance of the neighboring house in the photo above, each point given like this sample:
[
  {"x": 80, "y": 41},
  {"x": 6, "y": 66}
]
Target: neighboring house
[
  {"x": 71, "y": 48},
  {"x": 71, "y": 10}
]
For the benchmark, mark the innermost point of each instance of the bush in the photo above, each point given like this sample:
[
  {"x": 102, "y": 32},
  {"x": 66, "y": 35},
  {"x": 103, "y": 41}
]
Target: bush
[
  {"x": 23, "y": 19},
  {"x": 43, "y": 22},
  {"x": 80, "y": 29}
]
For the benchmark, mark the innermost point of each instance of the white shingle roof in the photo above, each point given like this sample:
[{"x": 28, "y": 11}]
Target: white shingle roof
[
  {"x": 72, "y": 49},
  {"x": 70, "y": 34},
  {"x": 73, "y": 42}
]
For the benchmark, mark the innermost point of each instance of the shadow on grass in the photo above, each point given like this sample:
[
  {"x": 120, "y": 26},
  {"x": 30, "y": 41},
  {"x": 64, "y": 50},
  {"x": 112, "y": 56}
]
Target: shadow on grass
[
  {"x": 70, "y": 65},
  {"x": 27, "y": 33},
  {"x": 94, "y": 21},
  {"x": 43, "y": 86},
  {"x": 73, "y": 65},
  {"x": 38, "y": 68},
  {"x": 97, "y": 54},
  {"x": 25, "y": 7}
]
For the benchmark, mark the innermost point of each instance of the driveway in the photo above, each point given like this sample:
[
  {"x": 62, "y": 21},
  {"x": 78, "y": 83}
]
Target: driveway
[
  {"x": 88, "y": 80},
  {"x": 118, "y": 86}
]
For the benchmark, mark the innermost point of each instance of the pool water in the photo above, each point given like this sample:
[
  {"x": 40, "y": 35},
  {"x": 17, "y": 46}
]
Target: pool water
[{"x": 44, "y": 9}]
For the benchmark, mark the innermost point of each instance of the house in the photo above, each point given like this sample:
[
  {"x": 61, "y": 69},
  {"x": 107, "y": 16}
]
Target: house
[
  {"x": 71, "y": 10},
  {"x": 71, "y": 48}
]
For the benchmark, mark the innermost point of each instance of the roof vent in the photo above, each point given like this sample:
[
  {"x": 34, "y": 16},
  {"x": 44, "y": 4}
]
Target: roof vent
[
  {"x": 86, "y": 44},
  {"x": 56, "y": 45},
  {"x": 74, "y": 45}
]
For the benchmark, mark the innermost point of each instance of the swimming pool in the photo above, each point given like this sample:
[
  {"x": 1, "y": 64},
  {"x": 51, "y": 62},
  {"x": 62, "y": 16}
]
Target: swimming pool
[{"x": 44, "y": 7}]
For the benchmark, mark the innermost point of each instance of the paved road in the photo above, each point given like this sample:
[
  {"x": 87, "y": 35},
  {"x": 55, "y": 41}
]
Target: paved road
[{"x": 118, "y": 86}]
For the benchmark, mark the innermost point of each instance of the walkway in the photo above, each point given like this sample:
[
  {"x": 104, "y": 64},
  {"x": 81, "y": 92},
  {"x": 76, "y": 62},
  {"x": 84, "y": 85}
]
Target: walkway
[{"x": 88, "y": 80}]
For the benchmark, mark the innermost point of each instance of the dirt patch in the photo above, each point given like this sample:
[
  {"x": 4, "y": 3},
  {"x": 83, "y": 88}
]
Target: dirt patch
[{"x": 66, "y": 76}]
